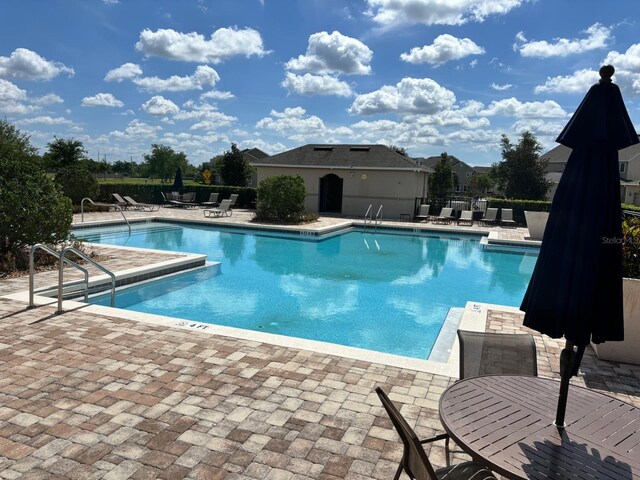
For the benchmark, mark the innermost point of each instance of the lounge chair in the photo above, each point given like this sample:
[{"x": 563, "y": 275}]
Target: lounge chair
[
  {"x": 506, "y": 217},
  {"x": 121, "y": 202},
  {"x": 490, "y": 216},
  {"x": 445, "y": 216},
  {"x": 145, "y": 207},
  {"x": 415, "y": 461},
  {"x": 212, "y": 202},
  {"x": 483, "y": 353},
  {"x": 224, "y": 210},
  {"x": 466, "y": 216},
  {"x": 423, "y": 213},
  {"x": 233, "y": 197},
  {"x": 177, "y": 203},
  {"x": 188, "y": 197}
]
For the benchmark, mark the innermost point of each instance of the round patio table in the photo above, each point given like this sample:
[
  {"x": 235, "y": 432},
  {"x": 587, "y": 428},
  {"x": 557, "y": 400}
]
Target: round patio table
[{"x": 506, "y": 422}]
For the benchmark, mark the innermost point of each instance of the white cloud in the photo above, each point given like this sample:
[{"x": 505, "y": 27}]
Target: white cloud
[
  {"x": 578, "y": 82},
  {"x": 296, "y": 125},
  {"x": 391, "y": 13},
  {"x": 137, "y": 129},
  {"x": 333, "y": 53},
  {"x": 46, "y": 120},
  {"x": 512, "y": 107},
  {"x": 203, "y": 112},
  {"x": 216, "y": 95},
  {"x": 598, "y": 36},
  {"x": 445, "y": 48},
  {"x": 102, "y": 100},
  {"x": 28, "y": 65},
  {"x": 10, "y": 92},
  {"x": 224, "y": 43},
  {"x": 159, "y": 105},
  {"x": 505, "y": 86},
  {"x": 538, "y": 127},
  {"x": 127, "y": 71},
  {"x": 410, "y": 95},
  {"x": 204, "y": 76},
  {"x": 308, "y": 84},
  {"x": 628, "y": 61},
  {"x": 48, "y": 99}
]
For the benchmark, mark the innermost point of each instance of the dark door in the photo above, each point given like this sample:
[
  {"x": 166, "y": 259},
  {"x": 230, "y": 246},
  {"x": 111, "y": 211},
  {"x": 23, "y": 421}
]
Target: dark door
[{"x": 330, "y": 194}]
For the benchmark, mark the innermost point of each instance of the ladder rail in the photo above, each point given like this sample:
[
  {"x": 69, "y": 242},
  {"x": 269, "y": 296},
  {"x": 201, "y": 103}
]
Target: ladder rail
[
  {"x": 102, "y": 204},
  {"x": 378, "y": 219},
  {"x": 367, "y": 215},
  {"x": 87, "y": 259},
  {"x": 55, "y": 253}
]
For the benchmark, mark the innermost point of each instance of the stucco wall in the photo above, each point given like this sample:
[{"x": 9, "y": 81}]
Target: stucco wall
[{"x": 395, "y": 190}]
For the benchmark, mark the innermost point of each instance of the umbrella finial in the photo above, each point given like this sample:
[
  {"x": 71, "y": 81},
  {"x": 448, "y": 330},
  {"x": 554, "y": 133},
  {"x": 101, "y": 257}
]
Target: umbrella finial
[{"x": 606, "y": 72}]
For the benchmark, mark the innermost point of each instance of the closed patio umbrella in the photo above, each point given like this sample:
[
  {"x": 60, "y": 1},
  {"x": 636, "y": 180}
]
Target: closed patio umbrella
[{"x": 576, "y": 287}]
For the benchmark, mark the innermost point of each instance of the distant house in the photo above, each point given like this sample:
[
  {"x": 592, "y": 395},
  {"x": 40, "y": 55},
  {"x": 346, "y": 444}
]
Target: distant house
[
  {"x": 628, "y": 163},
  {"x": 253, "y": 155},
  {"x": 346, "y": 179},
  {"x": 462, "y": 172}
]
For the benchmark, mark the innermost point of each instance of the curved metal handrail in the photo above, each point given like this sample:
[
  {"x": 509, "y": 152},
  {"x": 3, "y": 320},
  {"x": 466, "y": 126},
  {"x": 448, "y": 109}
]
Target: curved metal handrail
[
  {"x": 367, "y": 215},
  {"x": 88, "y": 259},
  {"x": 55, "y": 253},
  {"x": 378, "y": 219},
  {"x": 102, "y": 204}
]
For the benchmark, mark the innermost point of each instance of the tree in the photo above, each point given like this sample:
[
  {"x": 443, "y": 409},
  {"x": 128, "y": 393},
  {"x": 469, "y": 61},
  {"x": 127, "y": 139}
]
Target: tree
[
  {"x": 63, "y": 152},
  {"x": 521, "y": 173},
  {"x": 441, "y": 180},
  {"x": 163, "y": 161},
  {"x": 401, "y": 150},
  {"x": 234, "y": 168},
  {"x": 480, "y": 184},
  {"x": 32, "y": 209},
  {"x": 77, "y": 182}
]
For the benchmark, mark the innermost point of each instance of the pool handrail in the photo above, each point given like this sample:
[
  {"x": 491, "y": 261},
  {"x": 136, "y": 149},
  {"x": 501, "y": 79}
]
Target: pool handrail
[{"x": 102, "y": 204}]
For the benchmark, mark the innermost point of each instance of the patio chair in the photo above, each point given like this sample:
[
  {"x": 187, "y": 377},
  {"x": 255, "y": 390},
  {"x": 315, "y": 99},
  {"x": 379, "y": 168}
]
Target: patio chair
[
  {"x": 484, "y": 353},
  {"x": 224, "y": 210},
  {"x": 145, "y": 207},
  {"x": 445, "y": 216},
  {"x": 415, "y": 461},
  {"x": 506, "y": 217},
  {"x": 233, "y": 197},
  {"x": 121, "y": 202},
  {"x": 423, "y": 213},
  {"x": 168, "y": 198},
  {"x": 490, "y": 216},
  {"x": 188, "y": 197},
  {"x": 212, "y": 202},
  {"x": 466, "y": 216}
]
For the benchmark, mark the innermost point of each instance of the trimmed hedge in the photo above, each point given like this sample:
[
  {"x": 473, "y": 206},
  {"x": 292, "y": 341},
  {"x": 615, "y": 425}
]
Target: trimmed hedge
[
  {"x": 151, "y": 193},
  {"x": 519, "y": 207}
]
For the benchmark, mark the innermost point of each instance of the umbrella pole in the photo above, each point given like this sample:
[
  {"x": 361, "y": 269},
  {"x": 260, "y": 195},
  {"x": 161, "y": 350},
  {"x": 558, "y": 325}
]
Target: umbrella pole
[{"x": 567, "y": 358}]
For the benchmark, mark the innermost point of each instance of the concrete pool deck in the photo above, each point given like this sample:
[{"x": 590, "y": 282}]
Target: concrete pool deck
[{"x": 87, "y": 395}]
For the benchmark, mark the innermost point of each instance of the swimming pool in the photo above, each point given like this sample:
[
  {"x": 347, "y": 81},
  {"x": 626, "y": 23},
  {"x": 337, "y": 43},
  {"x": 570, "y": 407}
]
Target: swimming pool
[{"x": 387, "y": 291}]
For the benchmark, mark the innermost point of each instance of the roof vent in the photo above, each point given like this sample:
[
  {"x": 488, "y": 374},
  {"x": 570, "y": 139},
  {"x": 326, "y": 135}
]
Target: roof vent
[
  {"x": 359, "y": 149},
  {"x": 323, "y": 148}
]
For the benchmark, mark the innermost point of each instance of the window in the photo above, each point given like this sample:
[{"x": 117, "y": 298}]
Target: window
[
  {"x": 469, "y": 174},
  {"x": 623, "y": 167},
  {"x": 457, "y": 188},
  {"x": 465, "y": 188}
]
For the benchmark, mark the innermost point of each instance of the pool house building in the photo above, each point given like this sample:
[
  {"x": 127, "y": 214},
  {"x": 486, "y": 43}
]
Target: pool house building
[{"x": 346, "y": 179}]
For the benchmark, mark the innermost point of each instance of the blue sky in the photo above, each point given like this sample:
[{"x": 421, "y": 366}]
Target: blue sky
[{"x": 427, "y": 75}]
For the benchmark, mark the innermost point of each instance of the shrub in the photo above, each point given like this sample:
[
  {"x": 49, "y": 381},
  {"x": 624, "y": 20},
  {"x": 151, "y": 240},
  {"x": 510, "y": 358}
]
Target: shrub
[
  {"x": 631, "y": 247},
  {"x": 77, "y": 183},
  {"x": 281, "y": 199},
  {"x": 32, "y": 208}
]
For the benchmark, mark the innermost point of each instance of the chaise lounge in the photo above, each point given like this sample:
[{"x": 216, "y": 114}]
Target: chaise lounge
[
  {"x": 145, "y": 207},
  {"x": 224, "y": 210}
]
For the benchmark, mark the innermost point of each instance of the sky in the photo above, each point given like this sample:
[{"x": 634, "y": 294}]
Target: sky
[{"x": 430, "y": 76}]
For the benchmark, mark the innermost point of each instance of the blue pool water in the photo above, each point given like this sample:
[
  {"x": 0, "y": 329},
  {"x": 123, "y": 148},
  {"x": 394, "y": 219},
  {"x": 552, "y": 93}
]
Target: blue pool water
[{"x": 387, "y": 292}]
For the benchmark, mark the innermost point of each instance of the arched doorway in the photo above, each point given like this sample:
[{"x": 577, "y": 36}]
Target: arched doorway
[{"x": 330, "y": 194}]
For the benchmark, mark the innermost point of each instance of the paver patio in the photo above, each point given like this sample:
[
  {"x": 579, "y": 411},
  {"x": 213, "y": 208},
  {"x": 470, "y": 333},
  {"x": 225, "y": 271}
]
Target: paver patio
[{"x": 88, "y": 396}]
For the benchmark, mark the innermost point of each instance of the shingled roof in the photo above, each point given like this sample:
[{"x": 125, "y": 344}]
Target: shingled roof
[{"x": 343, "y": 156}]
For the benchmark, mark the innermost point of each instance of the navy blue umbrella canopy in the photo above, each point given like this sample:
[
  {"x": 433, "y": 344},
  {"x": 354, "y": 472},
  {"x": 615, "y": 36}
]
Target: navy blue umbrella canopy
[{"x": 576, "y": 287}]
